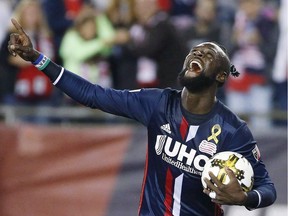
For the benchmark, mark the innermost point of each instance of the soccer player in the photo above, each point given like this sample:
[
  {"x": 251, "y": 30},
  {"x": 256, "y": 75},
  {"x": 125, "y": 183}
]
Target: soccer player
[{"x": 185, "y": 128}]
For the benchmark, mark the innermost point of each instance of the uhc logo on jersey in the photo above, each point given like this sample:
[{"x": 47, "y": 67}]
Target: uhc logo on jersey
[{"x": 179, "y": 155}]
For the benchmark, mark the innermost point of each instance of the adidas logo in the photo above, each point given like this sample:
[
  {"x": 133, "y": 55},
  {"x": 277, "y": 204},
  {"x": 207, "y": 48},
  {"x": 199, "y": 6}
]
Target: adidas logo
[{"x": 166, "y": 127}]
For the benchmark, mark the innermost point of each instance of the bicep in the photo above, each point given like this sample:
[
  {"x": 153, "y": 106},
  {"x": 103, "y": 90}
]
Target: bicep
[{"x": 137, "y": 105}]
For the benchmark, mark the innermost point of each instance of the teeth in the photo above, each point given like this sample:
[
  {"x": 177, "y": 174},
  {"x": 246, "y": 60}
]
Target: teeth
[{"x": 199, "y": 65}]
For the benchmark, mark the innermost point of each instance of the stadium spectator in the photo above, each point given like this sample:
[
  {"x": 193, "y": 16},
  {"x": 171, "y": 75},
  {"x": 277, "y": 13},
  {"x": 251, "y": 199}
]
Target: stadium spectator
[
  {"x": 154, "y": 40},
  {"x": 280, "y": 70},
  {"x": 6, "y": 7},
  {"x": 23, "y": 84},
  {"x": 205, "y": 27},
  {"x": 101, "y": 5},
  {"x": 5, "y": 13},
  {"x": 58, "y": 20},
  {"x": 182, "y": 7},
  {"x": 123, "y": 61},
  {"x": 92, "y": 35},
  {"x": 251, "y": 32}
]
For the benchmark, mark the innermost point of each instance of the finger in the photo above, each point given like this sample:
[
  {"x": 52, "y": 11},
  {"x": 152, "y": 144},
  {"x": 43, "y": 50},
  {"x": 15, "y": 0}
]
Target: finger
[
  {"x": 18, "y": 27},
  {"x": 206, "y": 191},
  {"x": 214, "y": 179},
  {"x": 20, "y": 49},
  {"x": 16, "y": 49},
  {"x": 11, "y": 50},
  {"x": 14, "y": 38},
  {"x": 230, "y": 173},
  {"x": 11, "y": 45},
  {"x": 210, "y": 185}
]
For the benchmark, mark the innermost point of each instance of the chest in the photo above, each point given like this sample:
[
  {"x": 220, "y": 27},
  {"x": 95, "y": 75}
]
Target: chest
[{"x": 177, "y": 144}]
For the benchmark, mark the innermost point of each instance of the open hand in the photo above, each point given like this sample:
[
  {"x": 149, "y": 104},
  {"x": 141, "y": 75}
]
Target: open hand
[
  {"x": 20, "y": 44},
  {"x": 229, "y": 194}
]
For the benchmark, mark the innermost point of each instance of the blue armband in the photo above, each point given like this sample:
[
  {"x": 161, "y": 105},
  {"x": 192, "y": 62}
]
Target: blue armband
[{"x": 41, "y": 62}]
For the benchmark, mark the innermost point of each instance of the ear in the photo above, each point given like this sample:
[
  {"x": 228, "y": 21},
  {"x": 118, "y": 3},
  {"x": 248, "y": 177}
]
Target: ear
[{"x": 221, "y": 77}]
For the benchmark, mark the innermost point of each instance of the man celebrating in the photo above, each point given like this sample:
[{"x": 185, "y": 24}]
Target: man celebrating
[{"x": 179, "y": 124}]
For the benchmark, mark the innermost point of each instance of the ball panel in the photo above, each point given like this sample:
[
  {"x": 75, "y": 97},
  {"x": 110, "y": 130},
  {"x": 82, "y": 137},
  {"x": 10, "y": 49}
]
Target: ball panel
[{"x": 236, "y": 162}]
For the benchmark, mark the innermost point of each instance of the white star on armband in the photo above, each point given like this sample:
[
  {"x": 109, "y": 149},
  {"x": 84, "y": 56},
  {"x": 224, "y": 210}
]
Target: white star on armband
[
  {"x": 59, "y": 77},
  {"x": 42, "y": 62}
]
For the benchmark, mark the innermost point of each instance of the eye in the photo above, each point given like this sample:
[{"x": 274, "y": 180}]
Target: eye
[{"x": 210, "y": 56}]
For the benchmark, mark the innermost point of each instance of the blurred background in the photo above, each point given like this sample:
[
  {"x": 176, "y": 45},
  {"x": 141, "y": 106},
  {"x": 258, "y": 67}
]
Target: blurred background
[{"x": 60, "y": 158}]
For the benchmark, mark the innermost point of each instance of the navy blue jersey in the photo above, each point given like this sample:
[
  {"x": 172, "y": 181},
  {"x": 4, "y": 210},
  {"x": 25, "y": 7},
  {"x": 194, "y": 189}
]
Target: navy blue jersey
[{"x": 177, "y": 146}]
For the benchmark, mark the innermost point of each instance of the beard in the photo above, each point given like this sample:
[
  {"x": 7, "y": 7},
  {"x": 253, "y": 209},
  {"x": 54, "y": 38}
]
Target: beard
[{"x": 195, "y": 84}]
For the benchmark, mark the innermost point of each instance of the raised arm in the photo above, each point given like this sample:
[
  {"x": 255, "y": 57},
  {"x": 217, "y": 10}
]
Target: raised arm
[{"x": 131, "y": 104}]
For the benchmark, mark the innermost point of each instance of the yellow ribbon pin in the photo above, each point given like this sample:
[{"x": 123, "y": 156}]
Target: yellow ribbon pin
[{"x": 215, "y": 131}]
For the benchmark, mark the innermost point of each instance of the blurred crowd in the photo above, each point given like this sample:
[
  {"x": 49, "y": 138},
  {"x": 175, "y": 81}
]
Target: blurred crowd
[{"x": 129, "y": 44}]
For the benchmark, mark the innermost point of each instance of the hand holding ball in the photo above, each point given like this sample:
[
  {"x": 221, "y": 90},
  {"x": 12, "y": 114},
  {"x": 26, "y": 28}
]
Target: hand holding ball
[{"x": 235, "y": 162}]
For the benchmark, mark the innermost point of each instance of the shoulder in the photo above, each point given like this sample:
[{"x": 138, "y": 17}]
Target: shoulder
[
  {"x": 230, "y": 117},
  {"x": 170, "y": 93},
  {"x": 238, "y": 135}
]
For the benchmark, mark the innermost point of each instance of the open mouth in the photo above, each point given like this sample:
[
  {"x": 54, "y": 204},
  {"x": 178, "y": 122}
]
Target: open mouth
[{"x": 196, "y": 67}]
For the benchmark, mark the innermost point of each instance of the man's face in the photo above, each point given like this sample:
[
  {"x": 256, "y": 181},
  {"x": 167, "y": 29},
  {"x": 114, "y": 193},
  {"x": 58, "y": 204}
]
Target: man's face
[
  {"x": 145, "y": 9},
  {"x": 201, "y": 67}
]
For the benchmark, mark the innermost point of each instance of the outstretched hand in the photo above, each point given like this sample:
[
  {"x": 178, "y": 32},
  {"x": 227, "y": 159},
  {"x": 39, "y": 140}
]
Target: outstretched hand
[
  {"x": 20, "y": 44},
  {"x": 229, "y": 194}
]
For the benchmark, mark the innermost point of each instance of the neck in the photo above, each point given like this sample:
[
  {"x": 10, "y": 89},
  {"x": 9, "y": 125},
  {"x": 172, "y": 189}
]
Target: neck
[{"x": 198, "y": 103}]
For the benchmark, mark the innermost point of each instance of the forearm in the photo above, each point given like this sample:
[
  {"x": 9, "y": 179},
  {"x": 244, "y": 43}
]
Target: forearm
[
  {"x": 55, "y": 72},
  {"x": 51, "y": 69},
  {"x": 76, "y": 87},
  {"x": 73, "y": 85}
]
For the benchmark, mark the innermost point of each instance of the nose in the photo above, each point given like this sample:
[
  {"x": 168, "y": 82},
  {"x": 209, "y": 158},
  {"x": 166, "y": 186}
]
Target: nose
[{"x": 198, "y": 53}]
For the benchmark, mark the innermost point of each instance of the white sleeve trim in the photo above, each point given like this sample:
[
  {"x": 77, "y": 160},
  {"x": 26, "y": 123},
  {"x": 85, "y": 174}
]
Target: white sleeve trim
[
  {"x": 59, "y": 77},
  {"x": 259, "y": 196}
]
